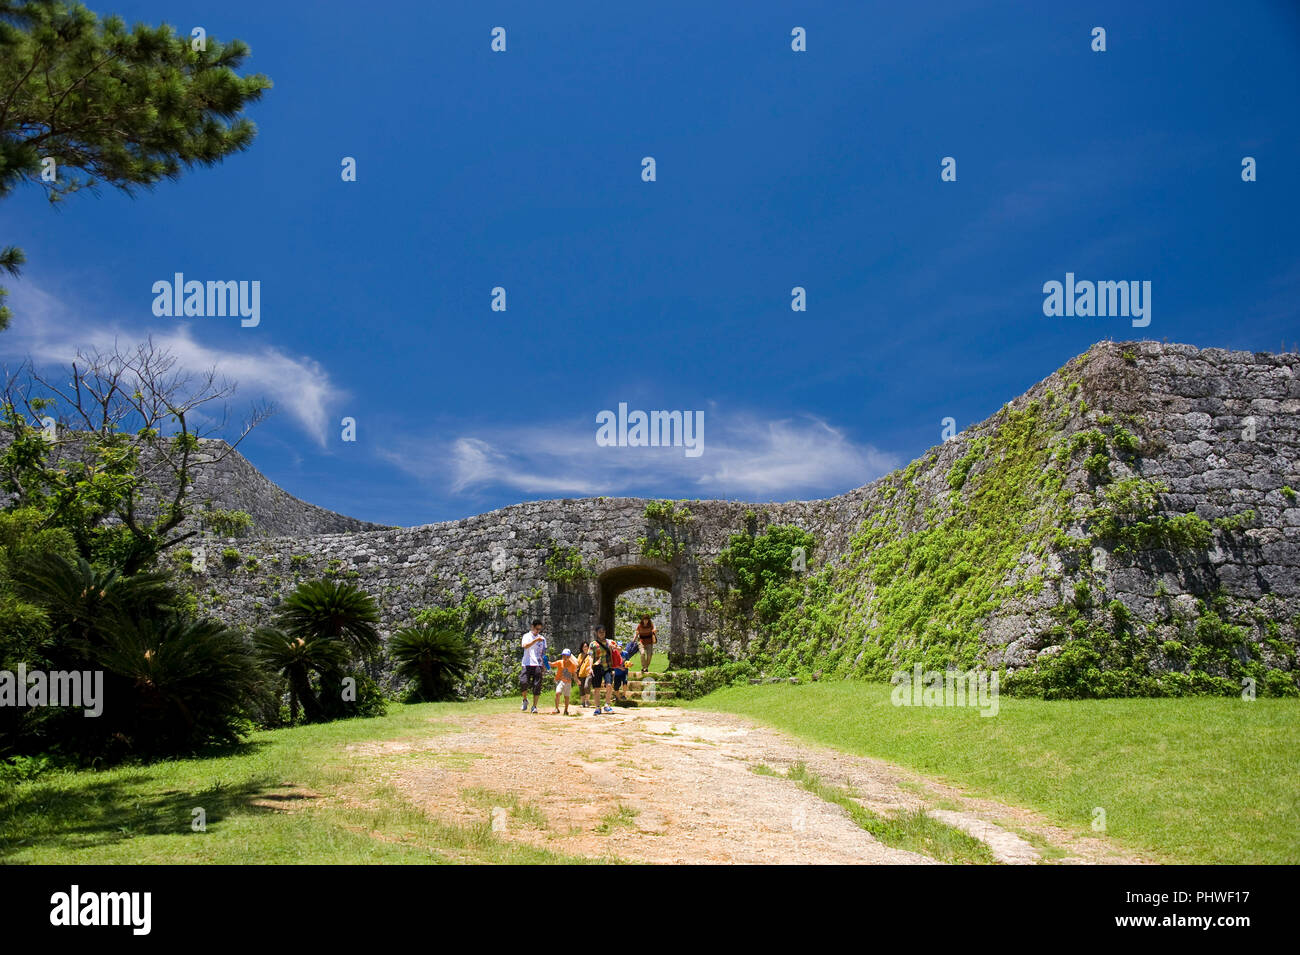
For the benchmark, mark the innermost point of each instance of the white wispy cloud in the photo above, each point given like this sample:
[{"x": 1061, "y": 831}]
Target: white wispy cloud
[
  {"x": 50, "y": 331},
  {"x": 744, "y": 455}
]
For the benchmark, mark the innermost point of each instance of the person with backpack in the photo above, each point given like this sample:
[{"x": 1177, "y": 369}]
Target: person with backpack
[
  {"x": 619, "y": 670},
  {"x": 602, "y": 675}
]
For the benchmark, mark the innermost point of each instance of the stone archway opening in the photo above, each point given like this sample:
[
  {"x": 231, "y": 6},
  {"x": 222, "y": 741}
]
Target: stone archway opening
[{"x": 620, "y": 580}]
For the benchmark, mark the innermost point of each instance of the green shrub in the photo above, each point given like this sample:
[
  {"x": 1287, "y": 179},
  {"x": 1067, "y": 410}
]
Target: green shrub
[
  {"x": 668, "y": 512},
  {"x": 762, "y": 564},
  {"x": 1125, "y": 441},
  {"x": 331, "y": 612},
  {"x": 691, "y": 684},
  {"x": 227, "y": 523},
  {"x": 1235, "y": 522},
  {"x": 21, "y": 769},
  {"x": 1082, "y": 596},
  {"x": 1280, "y": 683},
  {"x": 371, "y": 700},
  {"x": 1216, "y": 657},
  {"x": 1118, "y": 613}
]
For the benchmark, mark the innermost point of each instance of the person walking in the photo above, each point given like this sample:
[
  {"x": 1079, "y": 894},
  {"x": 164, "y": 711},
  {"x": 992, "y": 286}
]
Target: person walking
[
  {"x": 566, "y": 669},
  {"x": 619, "y": 670},
  {"x": 534, "y": 645},
  {"x": 646, "y": 633},
  {"x": 584, "y": 673},
  {"x": 602, "y": 671}
]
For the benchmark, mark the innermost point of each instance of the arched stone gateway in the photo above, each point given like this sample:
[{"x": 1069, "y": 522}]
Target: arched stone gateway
[
  {"x": 574, "y": 608},
  {"x": 564, "y": 561},
  {"x": 1220, "y": 430},
  {"x": 618, "y": 580}
]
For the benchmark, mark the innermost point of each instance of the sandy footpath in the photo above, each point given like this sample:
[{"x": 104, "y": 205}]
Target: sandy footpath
[{"x": 669, "y": 785}]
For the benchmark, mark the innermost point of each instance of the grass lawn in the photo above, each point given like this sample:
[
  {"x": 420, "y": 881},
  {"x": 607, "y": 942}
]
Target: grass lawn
[
  {"x": 1195, "y": 780},
  {"x": 292, "y": 796},
  {"x": 1186, "y": 780}
]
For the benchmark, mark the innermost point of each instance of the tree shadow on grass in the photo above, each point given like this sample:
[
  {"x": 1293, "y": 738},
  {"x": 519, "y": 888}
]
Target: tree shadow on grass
[{"x": 90, "y": 813}]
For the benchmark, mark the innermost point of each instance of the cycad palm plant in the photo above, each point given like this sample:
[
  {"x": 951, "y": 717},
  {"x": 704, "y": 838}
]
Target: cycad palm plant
[
  {"x": 296, "y": 658},
  {"x": 169, "y": 683},
  {"x": 326, "y": 610},
  {"x": 180, "y": 683},
  {"x": 81, "y": 600},
  {"x": 333, "y": 610},
  {"x": 431, "y": 658}
]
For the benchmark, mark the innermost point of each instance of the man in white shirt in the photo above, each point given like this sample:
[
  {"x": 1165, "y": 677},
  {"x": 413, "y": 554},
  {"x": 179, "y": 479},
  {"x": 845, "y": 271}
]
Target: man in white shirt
[{"x": 534, "y": 645}]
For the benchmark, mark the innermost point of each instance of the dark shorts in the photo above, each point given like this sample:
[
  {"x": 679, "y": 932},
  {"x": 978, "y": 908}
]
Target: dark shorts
[
  {"x": 531, "y": 679},
  {"x": 620, "y": 677},
  {"x": 598, "y": 675}
]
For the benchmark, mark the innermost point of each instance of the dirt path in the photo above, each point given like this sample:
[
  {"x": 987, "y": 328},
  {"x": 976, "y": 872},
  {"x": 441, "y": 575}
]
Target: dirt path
[{"x": 678, "y": 786}]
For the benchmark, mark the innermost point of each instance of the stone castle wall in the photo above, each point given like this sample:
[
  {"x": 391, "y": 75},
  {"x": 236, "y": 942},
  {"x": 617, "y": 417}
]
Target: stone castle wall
[
  {"x": 1196, "y": 408},
  {"x": 235, "y": 484}
]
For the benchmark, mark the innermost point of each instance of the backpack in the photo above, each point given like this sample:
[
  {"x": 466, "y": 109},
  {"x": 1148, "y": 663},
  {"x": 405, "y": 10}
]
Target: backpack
[{"x": 615, "y": 657}]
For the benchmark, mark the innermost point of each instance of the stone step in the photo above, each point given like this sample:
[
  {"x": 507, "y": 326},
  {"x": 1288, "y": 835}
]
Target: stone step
[
  {"x": 657, "y": 677},
  {"x": 636, "y": 703},
  {"x": 642, "y": 684},
  {"x": 659, "y": 695}
]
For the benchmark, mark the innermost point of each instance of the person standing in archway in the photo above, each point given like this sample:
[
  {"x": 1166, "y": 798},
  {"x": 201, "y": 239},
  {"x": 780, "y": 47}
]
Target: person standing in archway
[{"x": 646, "y": 634}]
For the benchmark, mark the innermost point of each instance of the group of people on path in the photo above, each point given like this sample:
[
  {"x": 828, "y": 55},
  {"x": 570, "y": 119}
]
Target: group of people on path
[{"x": 599, "y": 666}]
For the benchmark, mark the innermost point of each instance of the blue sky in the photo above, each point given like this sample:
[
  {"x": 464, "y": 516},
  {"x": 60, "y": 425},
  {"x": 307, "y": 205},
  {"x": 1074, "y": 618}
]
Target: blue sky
[{"x": 775, "y": 169}]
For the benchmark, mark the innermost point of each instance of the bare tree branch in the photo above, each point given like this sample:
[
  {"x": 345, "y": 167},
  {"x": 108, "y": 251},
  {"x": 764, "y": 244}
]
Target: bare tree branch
[{"x": 133, "y": 419}]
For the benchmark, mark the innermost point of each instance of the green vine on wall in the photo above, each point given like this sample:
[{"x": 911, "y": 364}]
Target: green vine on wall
[
  {"x": 662, "y": 542},
  {"x": 918, "y": 587},
  {"x": 565, "y": 565}
]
